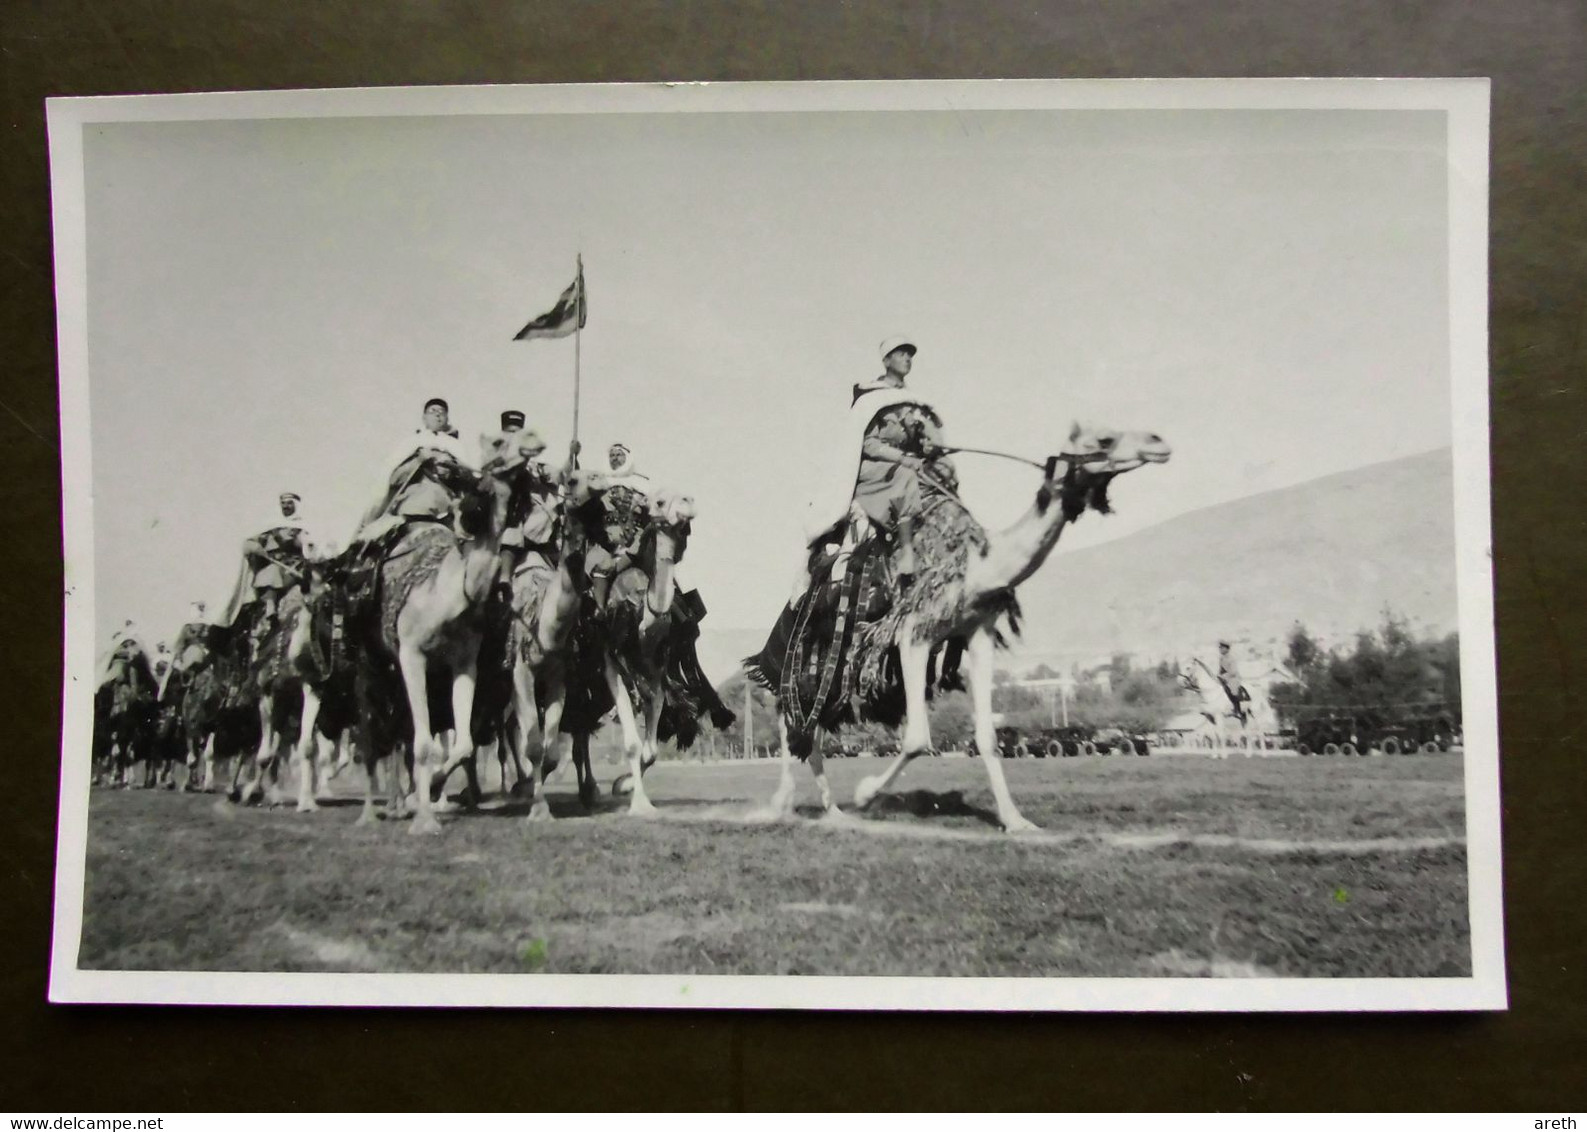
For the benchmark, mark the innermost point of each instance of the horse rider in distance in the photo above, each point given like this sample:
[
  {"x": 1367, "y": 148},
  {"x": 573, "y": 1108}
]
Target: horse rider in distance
[{"x": 1229, "y": 676}]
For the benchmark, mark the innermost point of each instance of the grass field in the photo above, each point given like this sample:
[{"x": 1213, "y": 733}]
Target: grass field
[{"x": 1145, "y": 866}]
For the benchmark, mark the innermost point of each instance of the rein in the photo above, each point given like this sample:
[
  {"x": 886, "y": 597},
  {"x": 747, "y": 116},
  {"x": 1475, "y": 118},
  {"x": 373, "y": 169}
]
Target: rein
[{"x": 991, "y": 452}]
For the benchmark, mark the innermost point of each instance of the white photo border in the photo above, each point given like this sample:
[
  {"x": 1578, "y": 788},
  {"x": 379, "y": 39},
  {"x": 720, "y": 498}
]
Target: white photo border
[{"x": 1466, "y": 105}]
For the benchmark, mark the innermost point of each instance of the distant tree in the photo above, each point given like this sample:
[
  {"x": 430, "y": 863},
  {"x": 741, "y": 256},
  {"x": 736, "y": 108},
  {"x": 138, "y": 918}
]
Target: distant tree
[
  {"x": 1388, "y": 671},
  {"x": 1304, "y": 651}
]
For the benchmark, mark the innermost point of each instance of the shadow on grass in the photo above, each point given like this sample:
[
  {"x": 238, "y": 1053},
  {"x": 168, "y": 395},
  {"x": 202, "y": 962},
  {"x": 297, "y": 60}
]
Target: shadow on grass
[{"x": 928, "y": 804}]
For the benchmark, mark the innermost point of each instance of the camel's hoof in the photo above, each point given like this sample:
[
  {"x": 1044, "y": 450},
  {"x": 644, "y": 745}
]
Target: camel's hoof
[
  {"x": 622, "y": 785},
  {"x": 275, "y": 799},
  {"x": 540, "y": 812},
  {"x": 424, "y": 826},
  {"x": 444, "y": 806},
  {"x": 836, "y": 817},
  {"x": 366, "y": 818},
  {"x": 642, "y": 810},
  {"x": 1019, "y": 824},
  {"x": 865, "y": 793},
  {"x": 307, "y": 806}
]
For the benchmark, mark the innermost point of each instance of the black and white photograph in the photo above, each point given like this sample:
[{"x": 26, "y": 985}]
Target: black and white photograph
[{"x": 912, "y": 545}]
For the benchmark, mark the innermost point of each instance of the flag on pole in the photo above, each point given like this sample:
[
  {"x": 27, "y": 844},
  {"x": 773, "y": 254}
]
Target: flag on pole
[{"x": 563, "y": 319}]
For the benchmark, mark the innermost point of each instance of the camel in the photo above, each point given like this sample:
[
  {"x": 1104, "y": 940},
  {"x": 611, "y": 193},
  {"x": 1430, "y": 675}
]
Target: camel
[
  {"x": 217, "y": 719},
  {"x": 639, "y": 632},
  {"x": 124, "y": 713},
  {"x": 964, "y": 600},
  {"x": 546, "y": 607},
  {"x": 278, "y": 695},
  {"x": 327, "y": 693},
  {"x": 434, "y": 589},
  {"x": 1247, "y": 724}
]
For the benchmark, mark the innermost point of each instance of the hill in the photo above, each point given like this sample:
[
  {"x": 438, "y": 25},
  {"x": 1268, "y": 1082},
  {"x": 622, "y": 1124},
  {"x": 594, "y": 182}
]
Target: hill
[{"x": 1330, "y": 553}]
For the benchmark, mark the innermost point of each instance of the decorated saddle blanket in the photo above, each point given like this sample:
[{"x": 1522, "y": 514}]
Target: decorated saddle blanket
[
  {"x": 417, "y": 554},
  {"x": 808, "y": 661},
  {"x": 833, "y": 656}
]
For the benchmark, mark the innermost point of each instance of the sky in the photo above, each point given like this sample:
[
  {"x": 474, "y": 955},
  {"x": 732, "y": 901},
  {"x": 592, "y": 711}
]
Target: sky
[{"x": 270, "y": 302}]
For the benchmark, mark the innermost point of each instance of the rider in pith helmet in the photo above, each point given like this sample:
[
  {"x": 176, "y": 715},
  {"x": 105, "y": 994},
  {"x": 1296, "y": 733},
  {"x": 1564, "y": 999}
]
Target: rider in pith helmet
[{"x": 894, "y": 438}]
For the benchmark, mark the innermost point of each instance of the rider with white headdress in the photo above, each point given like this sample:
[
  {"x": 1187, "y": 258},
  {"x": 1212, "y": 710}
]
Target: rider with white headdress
[{"x": 890, "y": 439}]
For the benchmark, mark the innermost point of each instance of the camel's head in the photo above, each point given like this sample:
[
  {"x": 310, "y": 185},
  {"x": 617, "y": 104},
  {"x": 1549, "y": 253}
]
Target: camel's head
[
  {"x": 1092, "y": 456},
  {"x": 502, "y": 452},
  {"x": 584, "y": 487},
  {"x": 1113, "y": 451},
  {"x": 668, "y": 518},
  {"x": 671, "y": 509}
]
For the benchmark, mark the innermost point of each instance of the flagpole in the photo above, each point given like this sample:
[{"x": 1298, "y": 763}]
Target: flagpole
[{"x": 578, "y": 327}]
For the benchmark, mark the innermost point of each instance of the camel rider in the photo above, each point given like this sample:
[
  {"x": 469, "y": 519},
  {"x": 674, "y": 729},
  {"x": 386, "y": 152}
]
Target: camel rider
[
  {"x": 530, "y": 538},
  {"x": 898, "y": 439},
  {"x": 126, "y": 645},
  {"x": 191, "y": 639},
  {"x": 626, "y": 500},
  {"x": 1229, "y": 677},
  {"x": 273, "y": 562},
  {"x": 409, "y": 488}
]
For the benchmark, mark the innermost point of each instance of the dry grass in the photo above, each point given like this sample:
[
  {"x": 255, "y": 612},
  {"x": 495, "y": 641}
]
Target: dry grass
[{"x": 1150, "y": 866}]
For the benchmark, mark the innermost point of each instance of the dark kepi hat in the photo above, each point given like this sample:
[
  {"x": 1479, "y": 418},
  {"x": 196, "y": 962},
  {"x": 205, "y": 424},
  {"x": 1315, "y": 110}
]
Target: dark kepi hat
[
  {"x": 438, "y": 401},
  {"x": 511, "y": 419}
]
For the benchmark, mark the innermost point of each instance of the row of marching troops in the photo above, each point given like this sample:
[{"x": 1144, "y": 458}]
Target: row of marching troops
[
  {"x": 501, "y": 600},
  {"x": 489, "y": 598}
]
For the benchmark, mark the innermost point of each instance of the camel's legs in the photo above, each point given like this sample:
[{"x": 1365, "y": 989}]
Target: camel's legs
[
  {"x": 782, "y": 802},
  {"x": 550, "y": 740},
  {"x": 528, "y": 712},
  {"x": 325, "y": 762},
  {"x": 651, "y": 748},
  {"x": 344, "y": 752},
  {"x": 412, "y": 662},
  {"x": 303, "y": 760},
  {"x": 193, "y": 764},
  {"x": 280, "y": 752},
  {"x": 978, "y": 654},
  {"x": 639, "y": 804},
  {"x": 267, "y": 742},
  {"x": 829, "y": 806},
  {"x": 913, "y": 658},
  {"x": 367, "y": 815},
  {"x": 589, "y": 789},
  {"x": 460, "y": 740},
  {"x": 551, "y": 730},
  {"x": 236, "y": 774},
  {"x": 208, "y": 758}
]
